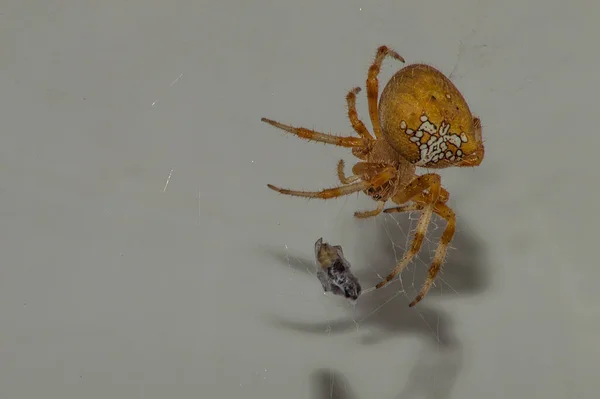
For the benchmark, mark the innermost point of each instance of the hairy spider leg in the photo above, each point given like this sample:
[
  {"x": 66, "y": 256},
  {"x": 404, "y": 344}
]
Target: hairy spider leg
[
  {"x": 359, "y": 168},
  {"x": 432, "y": 183},
  {"x": 342, "y": 175},
  {"x": 311, "y": 135},
  {"x": 373, "y": 85},
  {"x": 371, "y": 213},
  {"x": 447, "y": 214},
  {"x": 380, "y": 179},
  {"x": 358, "y": 125},
  {"x": 440, "y": 254}
]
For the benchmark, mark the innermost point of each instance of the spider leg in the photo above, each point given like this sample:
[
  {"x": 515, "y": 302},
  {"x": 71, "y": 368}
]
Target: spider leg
[
  {"x": 374, "y": 212},
  {"x": 342, "y": 175},
  {"x": 444, "y": 196},
  {"x": 386, "y": 175},
  {"x": 419, "y": 203},
  {"x": 358, "y": 125},
  {"x": 373, "y": 85},
  {"x": 349, "y": 142},
  {"x": 440, "y": 254},
  {"x": 405, "y": 208},
  {"x": 430, "y": 182},
  {"x": 369, "y": 169}
]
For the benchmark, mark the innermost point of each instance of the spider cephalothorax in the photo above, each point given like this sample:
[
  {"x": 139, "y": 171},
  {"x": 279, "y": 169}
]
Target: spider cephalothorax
[{"x": 422, "y": 120}]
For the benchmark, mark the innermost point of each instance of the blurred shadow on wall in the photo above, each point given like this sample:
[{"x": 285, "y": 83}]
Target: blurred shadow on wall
[
  {"x": 465, "y": 272},
  {"x": 439, "y": 360},
  {"x": 330, "y": 384},
  {"x": 432, "y": 377},
  {"x": 391, "y": 320}
]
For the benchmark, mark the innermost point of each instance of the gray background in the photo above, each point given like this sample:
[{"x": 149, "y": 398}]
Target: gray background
[{"x": 115, "y": 284}]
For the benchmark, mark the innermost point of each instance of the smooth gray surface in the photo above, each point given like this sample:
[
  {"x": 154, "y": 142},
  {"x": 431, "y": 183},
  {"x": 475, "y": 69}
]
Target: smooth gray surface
[{"x": 112, "y": 286}]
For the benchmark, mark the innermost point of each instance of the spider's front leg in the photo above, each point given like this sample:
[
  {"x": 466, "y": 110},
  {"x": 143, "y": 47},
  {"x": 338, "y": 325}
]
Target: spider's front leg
[
  {"x": 373, "y": 85},
  {"x": 355, "y": 143}
]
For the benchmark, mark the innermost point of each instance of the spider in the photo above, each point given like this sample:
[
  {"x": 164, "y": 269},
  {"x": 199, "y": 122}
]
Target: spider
[{"x": 422, "y": 120}]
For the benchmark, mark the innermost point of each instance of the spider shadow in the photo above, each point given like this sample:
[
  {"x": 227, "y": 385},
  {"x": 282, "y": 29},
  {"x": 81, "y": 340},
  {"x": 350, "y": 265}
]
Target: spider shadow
[
  {"x": 386, "y": 315},
  {"x": 440, "y": 359},
  {"x": 464, "y": 271},
  {"x": 330, "y": 384},
  {"x": 431, "y": 377}
]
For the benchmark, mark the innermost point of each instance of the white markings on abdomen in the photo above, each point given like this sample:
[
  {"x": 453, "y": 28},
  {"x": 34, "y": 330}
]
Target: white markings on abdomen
[{"x": 435, "y": 147}]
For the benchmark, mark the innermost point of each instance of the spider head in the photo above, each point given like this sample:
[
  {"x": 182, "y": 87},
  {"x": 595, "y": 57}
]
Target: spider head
[
  {"x": 374, "y": 193},
  {"x": 381, "y": 193}
]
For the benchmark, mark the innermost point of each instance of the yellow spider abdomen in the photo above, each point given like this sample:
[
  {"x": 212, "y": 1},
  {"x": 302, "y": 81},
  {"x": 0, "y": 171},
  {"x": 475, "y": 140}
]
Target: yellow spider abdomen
[{"x": 426, "y": 119}]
